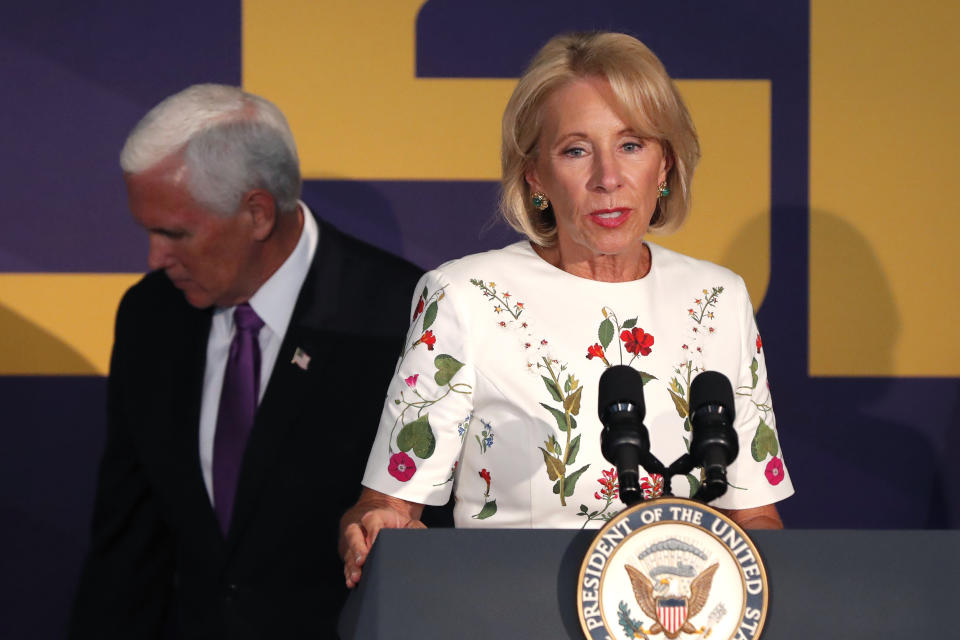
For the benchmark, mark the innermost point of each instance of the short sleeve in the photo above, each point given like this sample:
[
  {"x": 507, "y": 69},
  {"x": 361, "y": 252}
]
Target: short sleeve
[
  {"x": 758, "y": 476},
  {"x": 429, "y": 403}
]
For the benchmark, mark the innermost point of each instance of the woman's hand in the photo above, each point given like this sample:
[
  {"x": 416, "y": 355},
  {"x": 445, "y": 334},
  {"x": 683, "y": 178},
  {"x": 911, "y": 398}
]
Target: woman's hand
[{"x": 361, "y": 524}]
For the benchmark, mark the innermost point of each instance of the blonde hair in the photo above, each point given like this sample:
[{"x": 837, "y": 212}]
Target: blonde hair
[{"x": 643, "y": 89}]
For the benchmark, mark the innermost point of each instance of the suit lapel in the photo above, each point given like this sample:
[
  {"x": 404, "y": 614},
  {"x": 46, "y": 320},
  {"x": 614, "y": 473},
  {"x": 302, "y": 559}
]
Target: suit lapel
[{"x": 291, "y": 387}]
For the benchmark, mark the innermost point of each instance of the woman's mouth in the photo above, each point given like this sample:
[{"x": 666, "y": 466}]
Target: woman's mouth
[{"x": 610, "y": 217}]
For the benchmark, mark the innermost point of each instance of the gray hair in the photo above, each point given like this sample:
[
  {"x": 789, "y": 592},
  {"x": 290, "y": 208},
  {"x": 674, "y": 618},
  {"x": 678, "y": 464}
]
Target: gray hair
[{"x": 232, "y": 141}]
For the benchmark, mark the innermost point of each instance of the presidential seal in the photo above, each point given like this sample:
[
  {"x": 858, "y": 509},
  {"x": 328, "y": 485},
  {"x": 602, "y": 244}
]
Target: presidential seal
[{"x": 672, "y": 568}]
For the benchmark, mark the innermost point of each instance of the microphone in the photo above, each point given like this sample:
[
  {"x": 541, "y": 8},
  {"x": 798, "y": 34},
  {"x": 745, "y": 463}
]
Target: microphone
[
  {"x": 624, "y": 440},
  {"x": 715, "y": 444}
]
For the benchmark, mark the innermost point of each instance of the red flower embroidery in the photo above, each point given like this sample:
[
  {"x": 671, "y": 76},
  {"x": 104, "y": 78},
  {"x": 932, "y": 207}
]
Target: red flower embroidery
[
  {"x": 412, "y": 380},
  {"x": 401, "y": 466},
  {"x": 610, "y": 486},
  {"x": 759, "y": 343},
  {"x": 486, "y": 478},
  {"x": 636, "y": 341},
  {"x": 419, "y": 308},
  {"x": 774, "y": 471},
  {"x": 652, "y": 486},
  {"x": 596, "y": 351},
  {"x": 428, "y": 339}
]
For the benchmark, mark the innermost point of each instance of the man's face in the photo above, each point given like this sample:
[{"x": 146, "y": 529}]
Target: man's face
[{"x": 208, "y": 256}]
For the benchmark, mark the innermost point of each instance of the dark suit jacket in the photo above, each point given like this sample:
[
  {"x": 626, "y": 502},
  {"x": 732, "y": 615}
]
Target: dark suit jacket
[{"x": 155, "y": 539}]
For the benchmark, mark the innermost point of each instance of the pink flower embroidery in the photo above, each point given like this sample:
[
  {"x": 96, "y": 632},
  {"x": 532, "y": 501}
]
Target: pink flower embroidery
[
  {"x": 774, "y": 471},
  {"x": 636, "y": 341},
  {"x": 401, "y": 466},
  {"x": 412, "y": 380}
]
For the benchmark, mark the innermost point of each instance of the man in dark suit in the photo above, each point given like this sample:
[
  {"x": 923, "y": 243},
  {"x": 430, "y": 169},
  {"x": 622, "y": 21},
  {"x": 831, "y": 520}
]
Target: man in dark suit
[{"x": 245, "y": 387}]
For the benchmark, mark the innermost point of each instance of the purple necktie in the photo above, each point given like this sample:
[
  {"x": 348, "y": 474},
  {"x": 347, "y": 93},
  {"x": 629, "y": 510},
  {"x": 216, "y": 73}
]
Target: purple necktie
[{"x": 238, "y": 405}]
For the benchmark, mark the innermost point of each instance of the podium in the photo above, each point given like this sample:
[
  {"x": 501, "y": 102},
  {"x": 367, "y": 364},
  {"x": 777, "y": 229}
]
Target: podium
[{"x": 509, "y": 584}]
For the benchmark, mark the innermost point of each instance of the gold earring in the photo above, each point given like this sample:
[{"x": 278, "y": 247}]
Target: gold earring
[
  {"x": 540, "y": 201},
  {"x": 663, "y": 189}
]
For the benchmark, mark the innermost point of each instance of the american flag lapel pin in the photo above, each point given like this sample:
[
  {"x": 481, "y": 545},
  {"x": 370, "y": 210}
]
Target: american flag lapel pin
[{"x": 301, "y": 358}]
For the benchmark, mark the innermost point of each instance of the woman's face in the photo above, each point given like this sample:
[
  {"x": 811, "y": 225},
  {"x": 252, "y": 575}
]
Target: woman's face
[{"x": 600, "y": 176}]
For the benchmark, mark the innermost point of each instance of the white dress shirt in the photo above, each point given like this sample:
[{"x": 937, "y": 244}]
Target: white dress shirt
[{"x": 273, "y": 302}]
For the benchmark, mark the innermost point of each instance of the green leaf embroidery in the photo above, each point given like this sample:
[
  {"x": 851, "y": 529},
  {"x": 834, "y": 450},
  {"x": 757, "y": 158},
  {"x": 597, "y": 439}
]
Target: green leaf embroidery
[
  {"x": 574, "y": 450},
  {"x": 552, "y": 388},
  {"x": 570, "y": 483},
  {"x": 753, "y": 372},
  {"x": 429, "y": 315},
  {"x": 675, "y": 386},
  {"x": 560, "y": 417},
  {"x": 555, "y": 468},
  {"x": 424, "y": 294},
  {"x": 417, "y": 435},
  {"x": 680, "y": 403},
  {"x": 646, "y": 377},
  {"x": 694, "y": 484},
  {"x": 447, "y": 367},
  {"x": 764, "y": 442},
  {"x": 572, "y": 402},
  {"x": 605, "y": 333},
  {"x": 489, "y": 508},
  {"x": 630, "y": 324},
  {"x": 552, "y": 442}
]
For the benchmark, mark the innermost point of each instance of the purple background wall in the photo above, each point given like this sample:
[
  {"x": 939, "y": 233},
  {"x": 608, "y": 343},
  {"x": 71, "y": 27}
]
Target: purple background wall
[{"x": 863, "y": 452}]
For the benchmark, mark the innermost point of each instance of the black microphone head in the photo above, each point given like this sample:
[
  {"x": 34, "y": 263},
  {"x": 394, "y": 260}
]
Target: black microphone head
[
  {"x": 712, "y": 387},
  {"x": 620, "y": 384}
]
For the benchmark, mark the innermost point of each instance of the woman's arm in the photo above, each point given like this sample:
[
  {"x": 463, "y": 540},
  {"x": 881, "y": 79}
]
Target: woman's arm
[
  {"x": 765, "y": 517},
  {"x": 360, "y": 525}
]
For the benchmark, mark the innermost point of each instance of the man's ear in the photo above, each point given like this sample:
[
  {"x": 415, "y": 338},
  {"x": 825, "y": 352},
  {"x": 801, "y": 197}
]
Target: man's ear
[{"x": 262, "y": 209}]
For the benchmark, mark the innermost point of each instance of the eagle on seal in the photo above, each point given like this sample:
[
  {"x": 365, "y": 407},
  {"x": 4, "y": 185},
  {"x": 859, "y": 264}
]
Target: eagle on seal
[{"x": 686, "y": 607}]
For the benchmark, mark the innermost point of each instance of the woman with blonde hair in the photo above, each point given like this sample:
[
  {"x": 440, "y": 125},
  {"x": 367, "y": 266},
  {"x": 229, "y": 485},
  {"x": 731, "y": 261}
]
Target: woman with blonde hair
[{"x": 494, "y": 393}]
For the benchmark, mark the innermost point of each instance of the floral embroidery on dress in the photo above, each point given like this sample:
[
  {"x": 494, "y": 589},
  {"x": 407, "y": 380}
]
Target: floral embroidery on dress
[
  {"x": 417, "y": 435},
  {"x": 633, "y": 339},
  {"x": 563, "y": 387},
  {"x": 609, "y": 491},
  {"x": 679, "y": 385},
  {"x": 489, "y": 506},
  {"x": 764, "y": 441},
  {"x": 652, "y": 486},
  {"x": 401, "y": 466},
  {"x": 485, "y": 437}
]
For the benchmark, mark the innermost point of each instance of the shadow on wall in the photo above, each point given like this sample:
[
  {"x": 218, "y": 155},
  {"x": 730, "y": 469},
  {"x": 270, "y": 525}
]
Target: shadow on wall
[
  {"x": 862, "y": 450},
  {"x": 27, "y": 349},
  {"x": 357, "y": 209}
]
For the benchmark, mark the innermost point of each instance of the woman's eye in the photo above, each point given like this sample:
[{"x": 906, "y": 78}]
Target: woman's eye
[
  {"x": 632, "y": 147},
  {"x": 574, "y": 152}
]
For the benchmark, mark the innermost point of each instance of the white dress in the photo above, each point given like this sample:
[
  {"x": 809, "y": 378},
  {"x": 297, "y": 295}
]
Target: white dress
[{"x": 495, "y": 394}]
